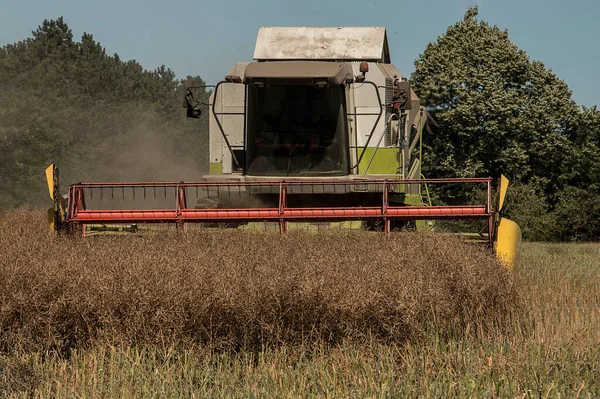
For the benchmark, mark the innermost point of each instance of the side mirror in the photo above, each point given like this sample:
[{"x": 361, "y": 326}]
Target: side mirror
[
  {"x": 193, "y": 113},
  {"x": 192, "y": 105},
  {"x": 402, "y": 95}
]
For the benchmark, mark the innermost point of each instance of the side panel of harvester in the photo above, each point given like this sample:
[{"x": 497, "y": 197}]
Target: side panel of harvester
[{"x": 229, "y": 108}]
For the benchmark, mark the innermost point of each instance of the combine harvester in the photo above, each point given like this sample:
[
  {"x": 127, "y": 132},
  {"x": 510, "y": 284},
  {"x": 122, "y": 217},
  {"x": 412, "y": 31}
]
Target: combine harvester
[{"x": 320, "y": 129}]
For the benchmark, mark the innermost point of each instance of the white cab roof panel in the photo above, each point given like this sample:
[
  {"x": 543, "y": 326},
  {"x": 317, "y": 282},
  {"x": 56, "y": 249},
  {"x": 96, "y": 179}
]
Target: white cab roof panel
[{"x": 304, "y": 43}]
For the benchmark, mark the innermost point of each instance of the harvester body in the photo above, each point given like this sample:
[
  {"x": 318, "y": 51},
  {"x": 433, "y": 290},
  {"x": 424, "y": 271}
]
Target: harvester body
[
  {"x": 304, "y": 109},
  {"x": 321, "y": 104},
  {"x": 321, "y": 128}
]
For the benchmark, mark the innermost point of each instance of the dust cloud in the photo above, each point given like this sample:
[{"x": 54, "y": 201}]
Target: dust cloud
[
  {"x": 150, "y": 153},
  {"x": 145, "y": 150}
]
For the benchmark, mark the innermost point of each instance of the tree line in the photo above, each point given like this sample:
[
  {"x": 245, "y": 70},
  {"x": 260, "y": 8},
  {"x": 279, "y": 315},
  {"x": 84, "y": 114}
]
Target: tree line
[
  {"x": 97, "y": 116},
  {"x": 501, "y": 112},
  {"x": 103, "y": 118}
]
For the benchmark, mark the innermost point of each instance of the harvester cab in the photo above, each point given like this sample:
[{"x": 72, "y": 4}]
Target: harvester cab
[
  {"x": 321, "y": 128},
  {"x": 316, "y": 102}
]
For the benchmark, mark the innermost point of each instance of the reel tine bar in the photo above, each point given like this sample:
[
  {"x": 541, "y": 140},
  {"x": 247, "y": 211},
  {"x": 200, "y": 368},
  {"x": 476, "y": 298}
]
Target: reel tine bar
[{"x": 78, "y": 213}]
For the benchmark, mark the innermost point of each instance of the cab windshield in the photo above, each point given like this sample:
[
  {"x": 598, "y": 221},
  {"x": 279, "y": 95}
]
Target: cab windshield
[{"x": 296, "y": 130}]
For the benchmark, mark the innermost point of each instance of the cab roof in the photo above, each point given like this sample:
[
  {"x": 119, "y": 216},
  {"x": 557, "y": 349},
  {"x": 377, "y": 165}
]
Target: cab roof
[{"x": 327, "y": 44}]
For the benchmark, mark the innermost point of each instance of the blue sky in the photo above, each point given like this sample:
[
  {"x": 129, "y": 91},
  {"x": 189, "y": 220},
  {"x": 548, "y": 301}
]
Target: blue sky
[{"x": 206, "y": 37}]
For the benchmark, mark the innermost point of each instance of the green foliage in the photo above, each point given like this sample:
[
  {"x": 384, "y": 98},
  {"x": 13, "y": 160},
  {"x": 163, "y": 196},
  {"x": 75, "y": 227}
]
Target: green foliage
[
  {"x": 95, "y": 115},
  {"x": 528, "y": 205},
  {"x": 501, "y": 113},
  {"x": 576, "y": 216}
]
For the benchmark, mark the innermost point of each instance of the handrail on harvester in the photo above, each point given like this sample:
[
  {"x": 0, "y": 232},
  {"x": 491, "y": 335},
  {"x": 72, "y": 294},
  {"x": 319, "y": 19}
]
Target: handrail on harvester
[
  {"x": 79, "y": 215},
  {"x": 298, "y": 181}
]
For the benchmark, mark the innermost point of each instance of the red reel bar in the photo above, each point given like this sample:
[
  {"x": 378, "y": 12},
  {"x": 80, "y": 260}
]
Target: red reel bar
[
  {"x": 272, "y": 214},
  {"x": 79, "y": 214}
]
